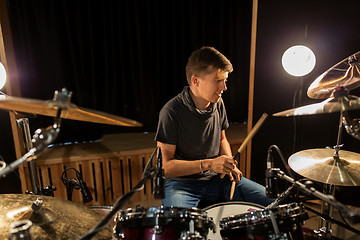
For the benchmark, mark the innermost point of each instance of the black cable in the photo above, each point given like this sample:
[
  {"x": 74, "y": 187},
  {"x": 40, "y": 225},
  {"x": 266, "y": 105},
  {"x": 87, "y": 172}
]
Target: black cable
[
  {"x": 344, "y": 220},
  {"x": 67, "y": 169},
  {"x": 147, "y": 174},
  {"x": 287, "y": 167},
  {"x": 331, "y": 219},
  {"x": 294, "y": 122},
  {"x": 150, "y": 160}
]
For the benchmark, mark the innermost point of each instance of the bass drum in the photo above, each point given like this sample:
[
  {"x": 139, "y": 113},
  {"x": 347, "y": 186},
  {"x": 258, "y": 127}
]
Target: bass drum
[{"x": 227, "y": 209}]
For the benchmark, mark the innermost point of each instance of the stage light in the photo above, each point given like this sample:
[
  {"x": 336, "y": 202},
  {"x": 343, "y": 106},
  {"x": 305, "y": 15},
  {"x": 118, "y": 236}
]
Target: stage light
[
  {"x": 2, "y": 75},
  {"x": 298, "y": 60}
]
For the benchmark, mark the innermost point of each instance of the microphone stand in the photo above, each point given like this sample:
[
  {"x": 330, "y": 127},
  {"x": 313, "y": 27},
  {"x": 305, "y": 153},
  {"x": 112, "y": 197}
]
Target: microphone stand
[
  {"x": 282, "y": 197},
  {"x": 352, "y": 215},
  {"x": 41, "y": 139},
  {"x": 148, "y": 174},
  {"x": 14, "y": 165}
]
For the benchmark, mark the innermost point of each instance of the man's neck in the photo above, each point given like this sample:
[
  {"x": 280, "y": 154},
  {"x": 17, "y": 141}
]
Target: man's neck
[{"x": 199, "y": 102}]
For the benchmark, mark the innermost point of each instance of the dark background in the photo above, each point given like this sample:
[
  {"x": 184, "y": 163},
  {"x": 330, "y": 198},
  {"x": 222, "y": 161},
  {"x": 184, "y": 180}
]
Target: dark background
[{"x": 128, "y": 58}]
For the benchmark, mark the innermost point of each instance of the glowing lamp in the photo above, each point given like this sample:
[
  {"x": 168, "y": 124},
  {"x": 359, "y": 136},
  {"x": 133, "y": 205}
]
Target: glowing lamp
[
  {"x": 2, "y": 75},
  {"x": 298, "y": 60}
]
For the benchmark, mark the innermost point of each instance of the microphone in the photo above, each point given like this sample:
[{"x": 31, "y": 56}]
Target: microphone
[
  {"x": 270, "y": 180},
  {"x": 70, "y": 185},
  {"x": 87, "y": 197},
  {"x": 159, "y": 188}
]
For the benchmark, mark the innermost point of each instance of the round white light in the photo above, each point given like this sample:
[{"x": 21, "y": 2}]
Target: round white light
[
  {"x": 298, "y": 60},
  {"x": 2, "y": 76}
]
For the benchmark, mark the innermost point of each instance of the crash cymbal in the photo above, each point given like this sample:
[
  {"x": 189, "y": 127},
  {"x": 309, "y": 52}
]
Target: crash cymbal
[
  {"x": 68, "y": 111},
  {"x": 329, "y": 105},
  {"x": 55, "y": 219},
  {"x": 321, "y": 165},
  {"x": 345, "y": 74}
]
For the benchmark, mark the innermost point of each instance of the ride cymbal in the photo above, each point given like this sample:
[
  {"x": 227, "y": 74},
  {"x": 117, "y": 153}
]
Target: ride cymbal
[
  {"x": 345, "y": 74},
  {"x": 329, "y": 105},
  {"x": 55, "y": 219},
  {"x": 68, "y": 111},
  {"x": 321, "y": 165}
]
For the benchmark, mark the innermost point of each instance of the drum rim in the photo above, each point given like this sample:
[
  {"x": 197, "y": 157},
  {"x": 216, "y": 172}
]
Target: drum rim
[
  {"x": 100, "y": 207},
  {"x": 232, "y": 203}
]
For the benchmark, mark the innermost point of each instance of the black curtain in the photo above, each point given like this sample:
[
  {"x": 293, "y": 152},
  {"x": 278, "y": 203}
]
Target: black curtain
[{"x": 125, "y": 57}]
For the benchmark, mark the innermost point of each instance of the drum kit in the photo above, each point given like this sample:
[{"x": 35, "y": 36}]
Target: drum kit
[{"x": 36, "y": 216}]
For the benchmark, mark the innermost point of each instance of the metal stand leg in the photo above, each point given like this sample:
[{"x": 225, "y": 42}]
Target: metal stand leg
[
  {"x": 326, "y": 209},
  {"x": 24, "y": 124}
]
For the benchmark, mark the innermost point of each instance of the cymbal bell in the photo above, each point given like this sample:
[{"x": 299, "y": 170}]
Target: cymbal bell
[
  {"x": 68, "y": 111},
  {"x": 56, "y": 219},
  {"x": 345, "y": 74},
  {"x": 321, "y": 165},
  {"x": 329, "y": 105}
]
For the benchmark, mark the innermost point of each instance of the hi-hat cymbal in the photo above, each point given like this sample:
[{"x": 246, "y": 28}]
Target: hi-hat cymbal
[
  {"x": 68, "y": 111},
  {"x": 56, "y": 219},
  {"x": 329, "y": 105},
  {"x": 321, "y": 165},
  {"x": 345, "y": 74}
]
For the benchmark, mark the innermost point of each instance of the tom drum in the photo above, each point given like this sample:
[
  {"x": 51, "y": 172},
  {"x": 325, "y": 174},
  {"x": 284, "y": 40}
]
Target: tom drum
[{"x": 226, "y": 209}]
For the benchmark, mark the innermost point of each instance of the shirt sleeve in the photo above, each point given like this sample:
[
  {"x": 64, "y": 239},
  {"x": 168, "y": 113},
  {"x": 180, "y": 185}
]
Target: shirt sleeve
[
  {"x": 223, "y": 116},
  {"x": 166, "y": 130}
]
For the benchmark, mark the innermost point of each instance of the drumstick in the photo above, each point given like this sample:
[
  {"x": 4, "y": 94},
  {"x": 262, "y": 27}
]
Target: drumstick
[
  {"x": 243, "y": 145},
  {"x": 232, "y": 189},
  {"x": 249, "y": 137}
]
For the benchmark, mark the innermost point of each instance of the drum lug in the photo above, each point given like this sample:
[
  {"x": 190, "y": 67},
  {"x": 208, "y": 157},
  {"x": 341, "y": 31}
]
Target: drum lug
[
  {"x": 157, "y": 228},
  {"x": 119, "y": 233}
]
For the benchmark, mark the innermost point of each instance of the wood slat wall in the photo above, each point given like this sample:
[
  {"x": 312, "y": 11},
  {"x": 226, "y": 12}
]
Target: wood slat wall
[{"x": 110, "y": 167}]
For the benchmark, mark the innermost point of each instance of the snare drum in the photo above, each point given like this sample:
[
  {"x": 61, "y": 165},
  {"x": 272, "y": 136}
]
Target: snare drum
[
  {"x": 282, "y": 222},
  {"x": 226, "y": 209},
  {"x": 162, "y": 223}
]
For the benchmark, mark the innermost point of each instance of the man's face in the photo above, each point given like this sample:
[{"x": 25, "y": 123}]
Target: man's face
[{"x": 212, "y": 85}]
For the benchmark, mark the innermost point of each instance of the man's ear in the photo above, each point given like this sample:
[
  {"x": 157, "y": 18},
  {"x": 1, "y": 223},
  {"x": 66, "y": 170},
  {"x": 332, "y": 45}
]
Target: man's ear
[{"x": 194, "y": 80}]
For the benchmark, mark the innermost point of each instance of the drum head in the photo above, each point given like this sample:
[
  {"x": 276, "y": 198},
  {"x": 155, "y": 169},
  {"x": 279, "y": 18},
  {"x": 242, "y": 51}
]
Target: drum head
[{"x": 227, "y": 209}]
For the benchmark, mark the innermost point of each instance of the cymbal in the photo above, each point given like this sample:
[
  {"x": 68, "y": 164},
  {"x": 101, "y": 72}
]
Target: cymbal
[
  {"x": 56, "y": 219},
  {"x": 345, "y": 74},
  {"x": 329, "y": 105},
  {"x": 68, "y": 111},
  {"x": 321, "y": 165}
]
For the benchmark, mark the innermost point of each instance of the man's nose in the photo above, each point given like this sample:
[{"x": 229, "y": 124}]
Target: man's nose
[{"x": 224, "y": 87}]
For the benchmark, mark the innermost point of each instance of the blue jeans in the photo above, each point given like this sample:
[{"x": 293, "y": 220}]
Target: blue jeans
[{"x": 187, "y": 194}]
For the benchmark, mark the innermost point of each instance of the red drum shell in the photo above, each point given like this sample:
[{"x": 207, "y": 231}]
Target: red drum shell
[{"x": 162, "y": 223}]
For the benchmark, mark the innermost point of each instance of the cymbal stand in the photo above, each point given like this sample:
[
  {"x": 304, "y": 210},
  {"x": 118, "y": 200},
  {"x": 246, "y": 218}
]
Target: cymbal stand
[
  {"x": 24, "y": 124},
  {"x": 41, "y": 139},
  {"x": 327, "y": 209}
]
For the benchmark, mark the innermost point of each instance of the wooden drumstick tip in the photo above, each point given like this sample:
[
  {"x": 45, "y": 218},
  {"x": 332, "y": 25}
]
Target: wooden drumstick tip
[{"x": 232, "y": 190}]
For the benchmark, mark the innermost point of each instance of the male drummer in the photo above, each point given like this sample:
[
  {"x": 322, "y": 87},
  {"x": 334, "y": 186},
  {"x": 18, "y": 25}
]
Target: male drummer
[{"x": 191, "y": 135}]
